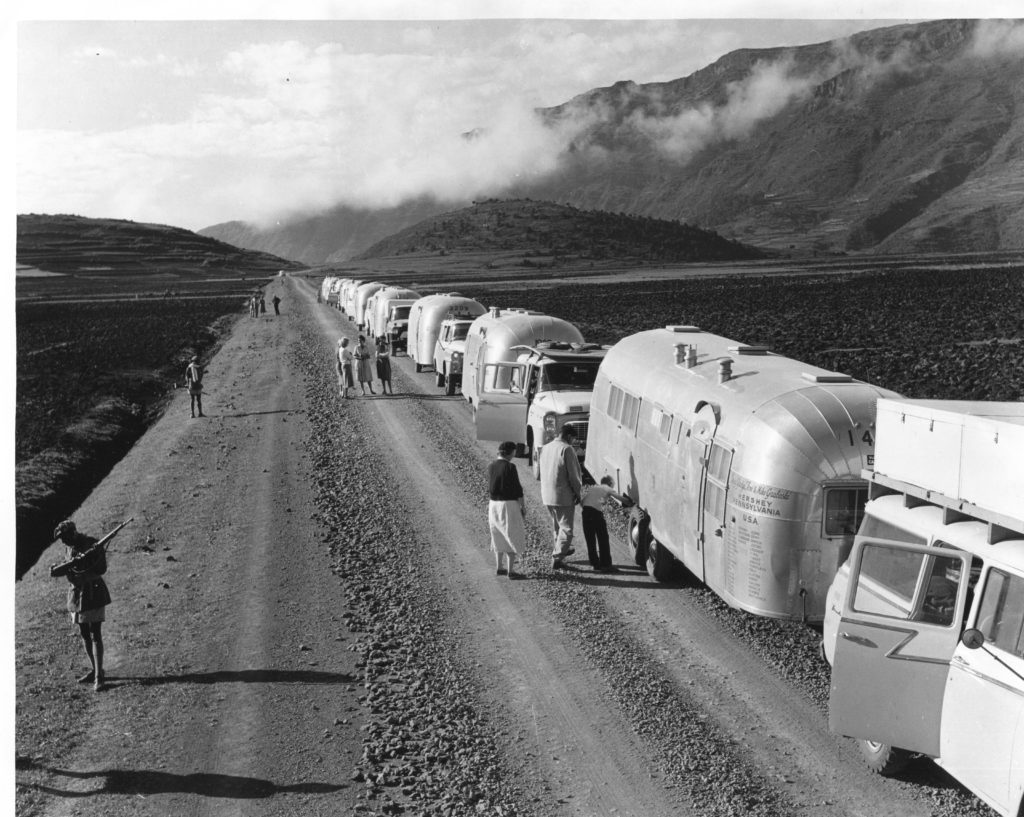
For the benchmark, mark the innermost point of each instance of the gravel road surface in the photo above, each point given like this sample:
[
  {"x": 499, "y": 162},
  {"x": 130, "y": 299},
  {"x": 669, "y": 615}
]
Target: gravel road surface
[{"x": 306, "y": 621}]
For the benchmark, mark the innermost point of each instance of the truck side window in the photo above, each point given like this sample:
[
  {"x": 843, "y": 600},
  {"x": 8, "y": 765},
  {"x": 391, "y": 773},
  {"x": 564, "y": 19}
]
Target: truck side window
[
  {"x": 887, "y": 581},
  {"x": 1001, "y": 615}
]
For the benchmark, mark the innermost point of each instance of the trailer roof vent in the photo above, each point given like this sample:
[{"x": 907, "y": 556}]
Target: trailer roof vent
[
  {"x": 831, "y": 377},
  {"x": 682, "y": 328},
  {"x": 749, "y": 350}
]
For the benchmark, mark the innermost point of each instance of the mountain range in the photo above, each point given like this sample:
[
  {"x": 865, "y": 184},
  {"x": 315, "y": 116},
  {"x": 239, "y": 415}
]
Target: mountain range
[{"x": 902, "y": 139}]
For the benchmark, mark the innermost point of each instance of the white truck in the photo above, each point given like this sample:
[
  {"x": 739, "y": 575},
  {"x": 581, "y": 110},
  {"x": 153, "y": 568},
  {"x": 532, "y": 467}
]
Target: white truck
[
  {"x": 550, "y": 385},
  {"x": 924, "y": 626},
  {"x": 450, "y": 353},
  {"x": 426, "y": 317}
]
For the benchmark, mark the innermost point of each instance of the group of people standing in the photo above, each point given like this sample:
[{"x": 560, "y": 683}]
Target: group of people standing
[
  {"x": 258, "y": 305},
  {"x": 564, "y": 484},
  {"x": 359, "y": 363}
]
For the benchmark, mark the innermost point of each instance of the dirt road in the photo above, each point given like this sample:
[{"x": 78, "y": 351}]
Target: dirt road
[{"x": 306, "y": 621}]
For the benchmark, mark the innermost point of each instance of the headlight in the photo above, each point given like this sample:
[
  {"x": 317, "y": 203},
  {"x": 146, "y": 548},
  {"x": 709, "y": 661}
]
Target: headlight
[
  {"x": 456, "y": 356},
  {"x": 550, "y": 426}
]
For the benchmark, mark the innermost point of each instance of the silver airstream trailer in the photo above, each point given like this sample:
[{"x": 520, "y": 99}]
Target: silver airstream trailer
[
  {"x": 745, "y": 466},
  {"x": 426, "y": 317},
  {"x": 347, "y": 295},
  {"x": 497, "y": 336},
  {"x": 325, "y": 288},
  {"x": 375, "y": 317},
  {"x": 359, "y": 298}
]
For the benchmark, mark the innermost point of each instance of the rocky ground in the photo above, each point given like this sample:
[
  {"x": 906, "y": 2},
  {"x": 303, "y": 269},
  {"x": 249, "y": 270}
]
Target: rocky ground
[{"x": 306, "y": 621}]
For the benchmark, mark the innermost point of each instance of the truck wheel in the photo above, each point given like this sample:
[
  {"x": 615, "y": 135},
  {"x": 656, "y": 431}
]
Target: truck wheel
[
  {"x": 661, "y": 564},
  {"x": 638, "y": 535},
  {"x": 449, "y": 385},
  {"x": 439, "y": 377},
  {"x": 419, "y": 368},
  {"x": 882, "y": 758}
]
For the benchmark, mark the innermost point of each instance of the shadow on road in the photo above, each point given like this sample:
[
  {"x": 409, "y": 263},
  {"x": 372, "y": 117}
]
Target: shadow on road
[
  {"x": 143, "y": 782},
  {"x": 258, "y": 413},
  {"x": 244, "y": 676}
]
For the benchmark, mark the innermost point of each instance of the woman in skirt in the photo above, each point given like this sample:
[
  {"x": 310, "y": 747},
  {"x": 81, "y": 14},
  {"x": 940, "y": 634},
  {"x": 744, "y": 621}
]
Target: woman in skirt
[
  {"x": 384, "y": 365},
  {"x": 505, "y": 511},
  {"x": 88, "y": 596},
  {"x": 364, "y": 365}
]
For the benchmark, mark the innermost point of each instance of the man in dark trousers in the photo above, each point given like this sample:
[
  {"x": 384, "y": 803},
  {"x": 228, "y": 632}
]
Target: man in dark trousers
[
  {"x": 194, "y": 381},
  {"x": 276, "y": 301}
]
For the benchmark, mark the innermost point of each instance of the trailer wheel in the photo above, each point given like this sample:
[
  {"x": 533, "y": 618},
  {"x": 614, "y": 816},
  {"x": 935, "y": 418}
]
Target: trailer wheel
[
  {"x": 449, "y": 385},
  {"x": 639, "y": 535},
  {"x": 661, "y": 564},
  {"x": 419, "y": 368},
  {"x": 883, "y": 759},
  {"x": 535, "y": 462}
]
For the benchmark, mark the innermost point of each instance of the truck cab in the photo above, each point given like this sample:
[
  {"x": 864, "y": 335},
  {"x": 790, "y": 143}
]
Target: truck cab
[
  {"x": 396, "y": 325},
  {"x": 450, "y": 352},
  {"x": 549, "y": 386},
  {"x": 924, "y": 625}
]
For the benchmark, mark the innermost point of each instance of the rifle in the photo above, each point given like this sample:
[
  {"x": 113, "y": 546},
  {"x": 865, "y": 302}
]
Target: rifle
[{"x": 64, "y": 567}]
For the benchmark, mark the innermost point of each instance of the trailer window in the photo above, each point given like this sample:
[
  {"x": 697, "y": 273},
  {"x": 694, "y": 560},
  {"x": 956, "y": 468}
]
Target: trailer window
[
  {"x": 717, "y": 482},
  {"x": 1001, "y": 615},
  {"x": 614, "y": 402},
  {"x": 630, "y": 411},
  {"x": 844, "y": 509}
]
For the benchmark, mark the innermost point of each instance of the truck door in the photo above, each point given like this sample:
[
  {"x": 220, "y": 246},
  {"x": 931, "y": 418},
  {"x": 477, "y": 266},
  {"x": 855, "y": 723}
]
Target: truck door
[
  {"x": 902, "y": 619},
  {"x": 501, "y": 405},
  {"x": 982, "y": 740}
]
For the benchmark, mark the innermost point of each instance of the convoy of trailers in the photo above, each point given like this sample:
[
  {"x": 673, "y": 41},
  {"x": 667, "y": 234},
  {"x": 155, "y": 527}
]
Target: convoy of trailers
[{"x": 792, "y": 492}]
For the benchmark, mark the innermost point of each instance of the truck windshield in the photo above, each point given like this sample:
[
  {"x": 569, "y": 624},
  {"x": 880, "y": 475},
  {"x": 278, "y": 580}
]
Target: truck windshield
[
  {"x": 400, "y": 313},
  {"x": 460, "y": 331},
  {"x": 577, "y": 375}
]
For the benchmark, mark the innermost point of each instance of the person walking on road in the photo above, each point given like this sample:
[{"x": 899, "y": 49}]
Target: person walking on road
[
  {"x": 561, "y": 487},
  {"x": 595, "y": 529},
  {"x": 384, "y": 365},
  {"x": 364, "y": 365},
  {"x": 88, "y": 595},
  {"x": 506, "y": 511},
  {"x": 345, "y": 362},
  {"x": 263, "y": 305},
  {"x": 276, "y": 301},
  {"x": 194, "y": 381}
]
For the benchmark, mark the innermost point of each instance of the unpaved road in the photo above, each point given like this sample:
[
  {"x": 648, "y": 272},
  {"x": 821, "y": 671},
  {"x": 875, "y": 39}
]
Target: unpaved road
[{"x": 306, "y": 621}]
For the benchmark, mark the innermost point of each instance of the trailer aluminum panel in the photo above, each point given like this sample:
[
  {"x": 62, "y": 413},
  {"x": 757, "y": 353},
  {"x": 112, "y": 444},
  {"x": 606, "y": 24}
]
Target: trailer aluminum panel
[{"x": 747, "y": 464}]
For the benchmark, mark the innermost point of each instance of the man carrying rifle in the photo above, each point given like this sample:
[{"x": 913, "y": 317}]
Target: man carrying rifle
[{"x": 88, "y": 596}]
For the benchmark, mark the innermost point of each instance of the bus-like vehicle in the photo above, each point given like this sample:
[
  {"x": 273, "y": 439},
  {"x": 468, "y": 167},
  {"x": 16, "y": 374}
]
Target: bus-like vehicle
[
  {"x": 745, "y": 466},
  {"x": 924, "y": 626}
]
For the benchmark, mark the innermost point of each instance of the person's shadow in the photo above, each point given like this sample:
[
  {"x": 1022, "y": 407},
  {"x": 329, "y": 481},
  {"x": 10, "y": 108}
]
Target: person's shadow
[{"x": 145, "y": 782}]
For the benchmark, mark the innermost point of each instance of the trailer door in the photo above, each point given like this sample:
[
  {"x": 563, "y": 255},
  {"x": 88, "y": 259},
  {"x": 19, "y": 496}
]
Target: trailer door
[
  {"x": 902, "y": 619},
  {"x": 702, "y": 432},
  {"x": 501, "y": 405}
]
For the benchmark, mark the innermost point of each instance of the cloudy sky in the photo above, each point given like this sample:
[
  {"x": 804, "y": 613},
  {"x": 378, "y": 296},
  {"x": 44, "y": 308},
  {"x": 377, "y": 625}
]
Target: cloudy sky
[{"x": 197, "y": 120}]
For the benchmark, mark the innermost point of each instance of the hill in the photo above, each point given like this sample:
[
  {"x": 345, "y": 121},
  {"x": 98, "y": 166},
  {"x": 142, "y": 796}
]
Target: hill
[
  {"x": 73, "y": 244},
  {"x": 543, "y": 228},
  {"x": 902, "y": 139}
]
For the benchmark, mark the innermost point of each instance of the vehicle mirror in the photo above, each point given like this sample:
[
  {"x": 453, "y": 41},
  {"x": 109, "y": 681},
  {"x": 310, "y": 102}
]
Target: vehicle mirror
[{"x": 972, "y": 638}]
